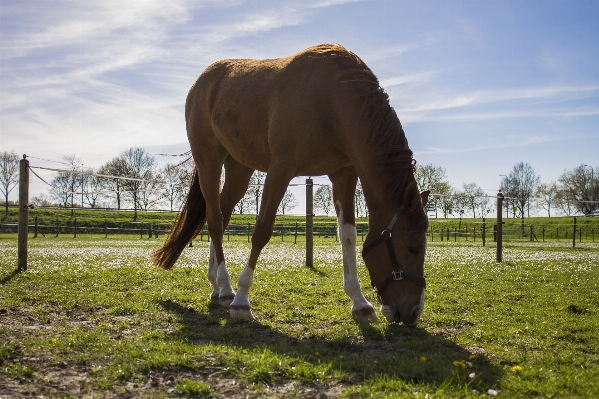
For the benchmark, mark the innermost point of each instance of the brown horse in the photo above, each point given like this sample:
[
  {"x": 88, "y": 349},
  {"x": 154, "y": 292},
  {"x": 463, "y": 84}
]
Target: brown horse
[{"x": 318, "y": 112}]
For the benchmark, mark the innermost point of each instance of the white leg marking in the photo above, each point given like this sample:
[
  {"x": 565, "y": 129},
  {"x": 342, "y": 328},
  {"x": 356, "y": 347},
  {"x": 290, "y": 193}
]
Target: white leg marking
[
  {"x": 212, "y": 272},
  {"x": 361, "y": 308},
  {"x": 240, "y": 307}
]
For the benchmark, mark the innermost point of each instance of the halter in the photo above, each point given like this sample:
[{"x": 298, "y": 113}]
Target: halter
[{"x": 397, "y": 274}]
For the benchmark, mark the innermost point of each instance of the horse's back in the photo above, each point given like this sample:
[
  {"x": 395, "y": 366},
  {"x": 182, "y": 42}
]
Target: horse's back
[{"x": 286, "y": 105}]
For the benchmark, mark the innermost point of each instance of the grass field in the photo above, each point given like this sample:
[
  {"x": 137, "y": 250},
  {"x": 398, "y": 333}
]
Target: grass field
[{"x": 91, "y": 317}]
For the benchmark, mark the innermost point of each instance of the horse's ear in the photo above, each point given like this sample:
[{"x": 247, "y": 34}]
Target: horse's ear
[
  {"x": 411, "y": 198},
  {"x": 424, "y": 197}
]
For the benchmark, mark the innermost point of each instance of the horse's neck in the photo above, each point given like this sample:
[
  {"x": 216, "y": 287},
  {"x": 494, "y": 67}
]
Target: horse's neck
[{"x": 381, "y": 205}]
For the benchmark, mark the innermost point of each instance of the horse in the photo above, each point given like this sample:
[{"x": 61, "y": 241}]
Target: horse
[{"x": 318, "y": 112}]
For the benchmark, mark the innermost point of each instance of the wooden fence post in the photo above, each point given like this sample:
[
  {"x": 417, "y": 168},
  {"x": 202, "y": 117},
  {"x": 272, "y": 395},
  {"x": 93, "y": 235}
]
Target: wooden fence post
[
  {"x": 295, "y": 237},
  {"x": 484, "y": 231},
  {"x": 574, "y": 233},
  {"x": 499, "y": 255},
  {"x": 105, "y": 229},
  {"x": 75, "y": 228},
  {"x": 309, "y": 223},
  {"x": 23, "y": 229}
]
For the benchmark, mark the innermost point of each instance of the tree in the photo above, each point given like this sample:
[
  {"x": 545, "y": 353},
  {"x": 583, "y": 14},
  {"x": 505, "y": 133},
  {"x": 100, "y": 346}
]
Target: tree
[
  {"x": 360, "y": 201},
  {"x": 430, "y": 177},
  {"x": 9, "y": 174},
  {"x": 66, "y": 183},
  {"x": 434, "y": 178},
  {"x": 323, "y": 199},
  {"x": 115, "y": 167},
  {"x": 173, "y": 178},
  {"x": 580, "y": 186},
  {"x": 445, "y": 199},
  {"x": 139, "y": 168},
  {"x": 254, "y": 191},
  {"x": 546, "y": 196},
  {"x": 520, "y": 185},
  {"x": 475, "y": 199},
  {"x": 287, "y": 203},
  {"x": 564, "y": 201},
  {"x": 139, "y": 187},
  {"x": 92, "y": 189}
]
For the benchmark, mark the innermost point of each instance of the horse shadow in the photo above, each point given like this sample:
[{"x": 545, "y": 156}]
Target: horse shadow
[{"x": 395, "y": 351}]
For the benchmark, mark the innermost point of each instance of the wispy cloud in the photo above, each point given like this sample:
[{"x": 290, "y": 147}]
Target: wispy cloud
[
  {"x": 506, "y": 143},
  {"x": 495, "y": 104}
]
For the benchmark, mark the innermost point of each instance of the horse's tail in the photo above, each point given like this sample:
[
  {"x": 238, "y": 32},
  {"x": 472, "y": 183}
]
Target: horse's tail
[{"x": 188, "y": 225}]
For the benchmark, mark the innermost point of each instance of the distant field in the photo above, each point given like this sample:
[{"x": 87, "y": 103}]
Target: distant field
[
  {"x": 113, "y": 223},
  {"x": 92, "y": 317}
]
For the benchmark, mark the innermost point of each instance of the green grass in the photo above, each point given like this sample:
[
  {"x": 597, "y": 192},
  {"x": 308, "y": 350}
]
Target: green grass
[{"x": 92, "y": 316}]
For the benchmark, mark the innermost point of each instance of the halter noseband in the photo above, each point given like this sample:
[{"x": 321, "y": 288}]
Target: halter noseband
[{"x": 397, "y": 274}]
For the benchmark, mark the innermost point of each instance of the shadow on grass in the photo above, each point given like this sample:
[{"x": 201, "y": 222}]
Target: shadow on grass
[
  {"x": 396, "y": 351},
  {"x": 9, "y": 277}
]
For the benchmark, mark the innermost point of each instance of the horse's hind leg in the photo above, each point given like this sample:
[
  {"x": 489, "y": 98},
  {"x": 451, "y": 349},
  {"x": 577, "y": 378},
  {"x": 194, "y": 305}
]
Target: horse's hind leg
[
  {"x": 237, "y": 178},
  {"x": 209, "y": 165},
  {"x": 277, "y": 180},
  {"x": 344, "y": 187}
]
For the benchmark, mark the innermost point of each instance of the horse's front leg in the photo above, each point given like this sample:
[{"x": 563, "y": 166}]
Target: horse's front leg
[
  {"x": 361, "y": 309},
  {"x": 274, "y": 188},
  {"x": 344, "y": 186}
]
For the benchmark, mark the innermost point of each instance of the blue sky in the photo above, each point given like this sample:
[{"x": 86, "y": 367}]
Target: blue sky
[{"x": 477, "y": 85}]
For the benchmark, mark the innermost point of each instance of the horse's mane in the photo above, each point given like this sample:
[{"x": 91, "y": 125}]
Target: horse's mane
[{"x": 386, "y": 133}]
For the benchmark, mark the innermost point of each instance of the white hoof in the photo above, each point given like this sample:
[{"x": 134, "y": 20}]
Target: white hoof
[
  {"x": 225, "y": 300},
  {"x": 241, "y": 312},
  {"x": 365, "y": 314}
]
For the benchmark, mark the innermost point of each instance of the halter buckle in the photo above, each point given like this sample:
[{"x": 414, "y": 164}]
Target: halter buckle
[
  {"x": 397, "y": 275},
  {"x": 386, "y": 234}
]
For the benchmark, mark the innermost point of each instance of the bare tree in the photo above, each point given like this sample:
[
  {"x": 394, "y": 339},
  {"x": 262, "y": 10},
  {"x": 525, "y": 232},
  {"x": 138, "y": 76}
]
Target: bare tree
[
  {"x": 579, "y": 185},
  {"x": 546, "y": 196},
  {"x": 66, "y": 183},
  {"x": 444, "y": 198},
  {"x": 565, "y": 202},
  {"x": 115, "y": 167},
  {"x": 139, "y": 168},
  {"x": 520, "y": 185},
  {"x": 139, "y": 165},
  {"x": 93, "y": 189},
  {"x": 360, "y": 201},
  {"x": 254, "y": 191},
  {"x": 173, "y": 178},
  {"x": 323, "y": 199},
  {"x": 287, "y": 203},
  {"x": 9, "y": 174},
  {"x": 475, "y": 199}
]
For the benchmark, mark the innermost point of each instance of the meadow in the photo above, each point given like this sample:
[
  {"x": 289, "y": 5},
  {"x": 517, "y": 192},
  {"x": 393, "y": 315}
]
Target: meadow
[{"x": 91, "y": 317}]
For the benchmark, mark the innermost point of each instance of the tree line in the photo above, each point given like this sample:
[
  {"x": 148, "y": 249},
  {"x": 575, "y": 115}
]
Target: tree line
[
  {"x": 146, "y": 187},
  {"x": 137, "y": 183}
]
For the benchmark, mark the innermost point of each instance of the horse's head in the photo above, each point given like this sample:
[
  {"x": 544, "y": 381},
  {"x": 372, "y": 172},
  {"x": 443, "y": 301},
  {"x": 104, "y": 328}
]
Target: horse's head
[{"x": 394, "y": 257}]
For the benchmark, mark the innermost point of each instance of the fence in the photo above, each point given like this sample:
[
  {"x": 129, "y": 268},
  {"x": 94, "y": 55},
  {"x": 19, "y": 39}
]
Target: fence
[
  {"x": 563, "y": 231},
  {"x": 484, "y": 231},
  {"x": 77, "y": 226}
]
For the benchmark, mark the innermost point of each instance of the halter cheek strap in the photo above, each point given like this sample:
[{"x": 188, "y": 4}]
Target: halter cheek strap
[{"x": 397, "y": 274}]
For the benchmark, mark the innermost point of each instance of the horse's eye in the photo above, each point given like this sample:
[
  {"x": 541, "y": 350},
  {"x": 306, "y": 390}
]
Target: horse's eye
[{"x": 413, "y": 250}]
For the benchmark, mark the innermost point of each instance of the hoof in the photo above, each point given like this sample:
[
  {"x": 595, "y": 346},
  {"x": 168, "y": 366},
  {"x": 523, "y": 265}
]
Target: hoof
[
  {"x": 365, "y": 314},
  {"x": 214, "y": 297},
  {"x": 225, "y": 300},
  {"x": 241, "y": 312}
]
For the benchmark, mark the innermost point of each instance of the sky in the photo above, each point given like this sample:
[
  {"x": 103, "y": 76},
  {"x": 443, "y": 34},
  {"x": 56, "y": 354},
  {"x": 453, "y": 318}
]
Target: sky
[{"x": 478, "y": 85}]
